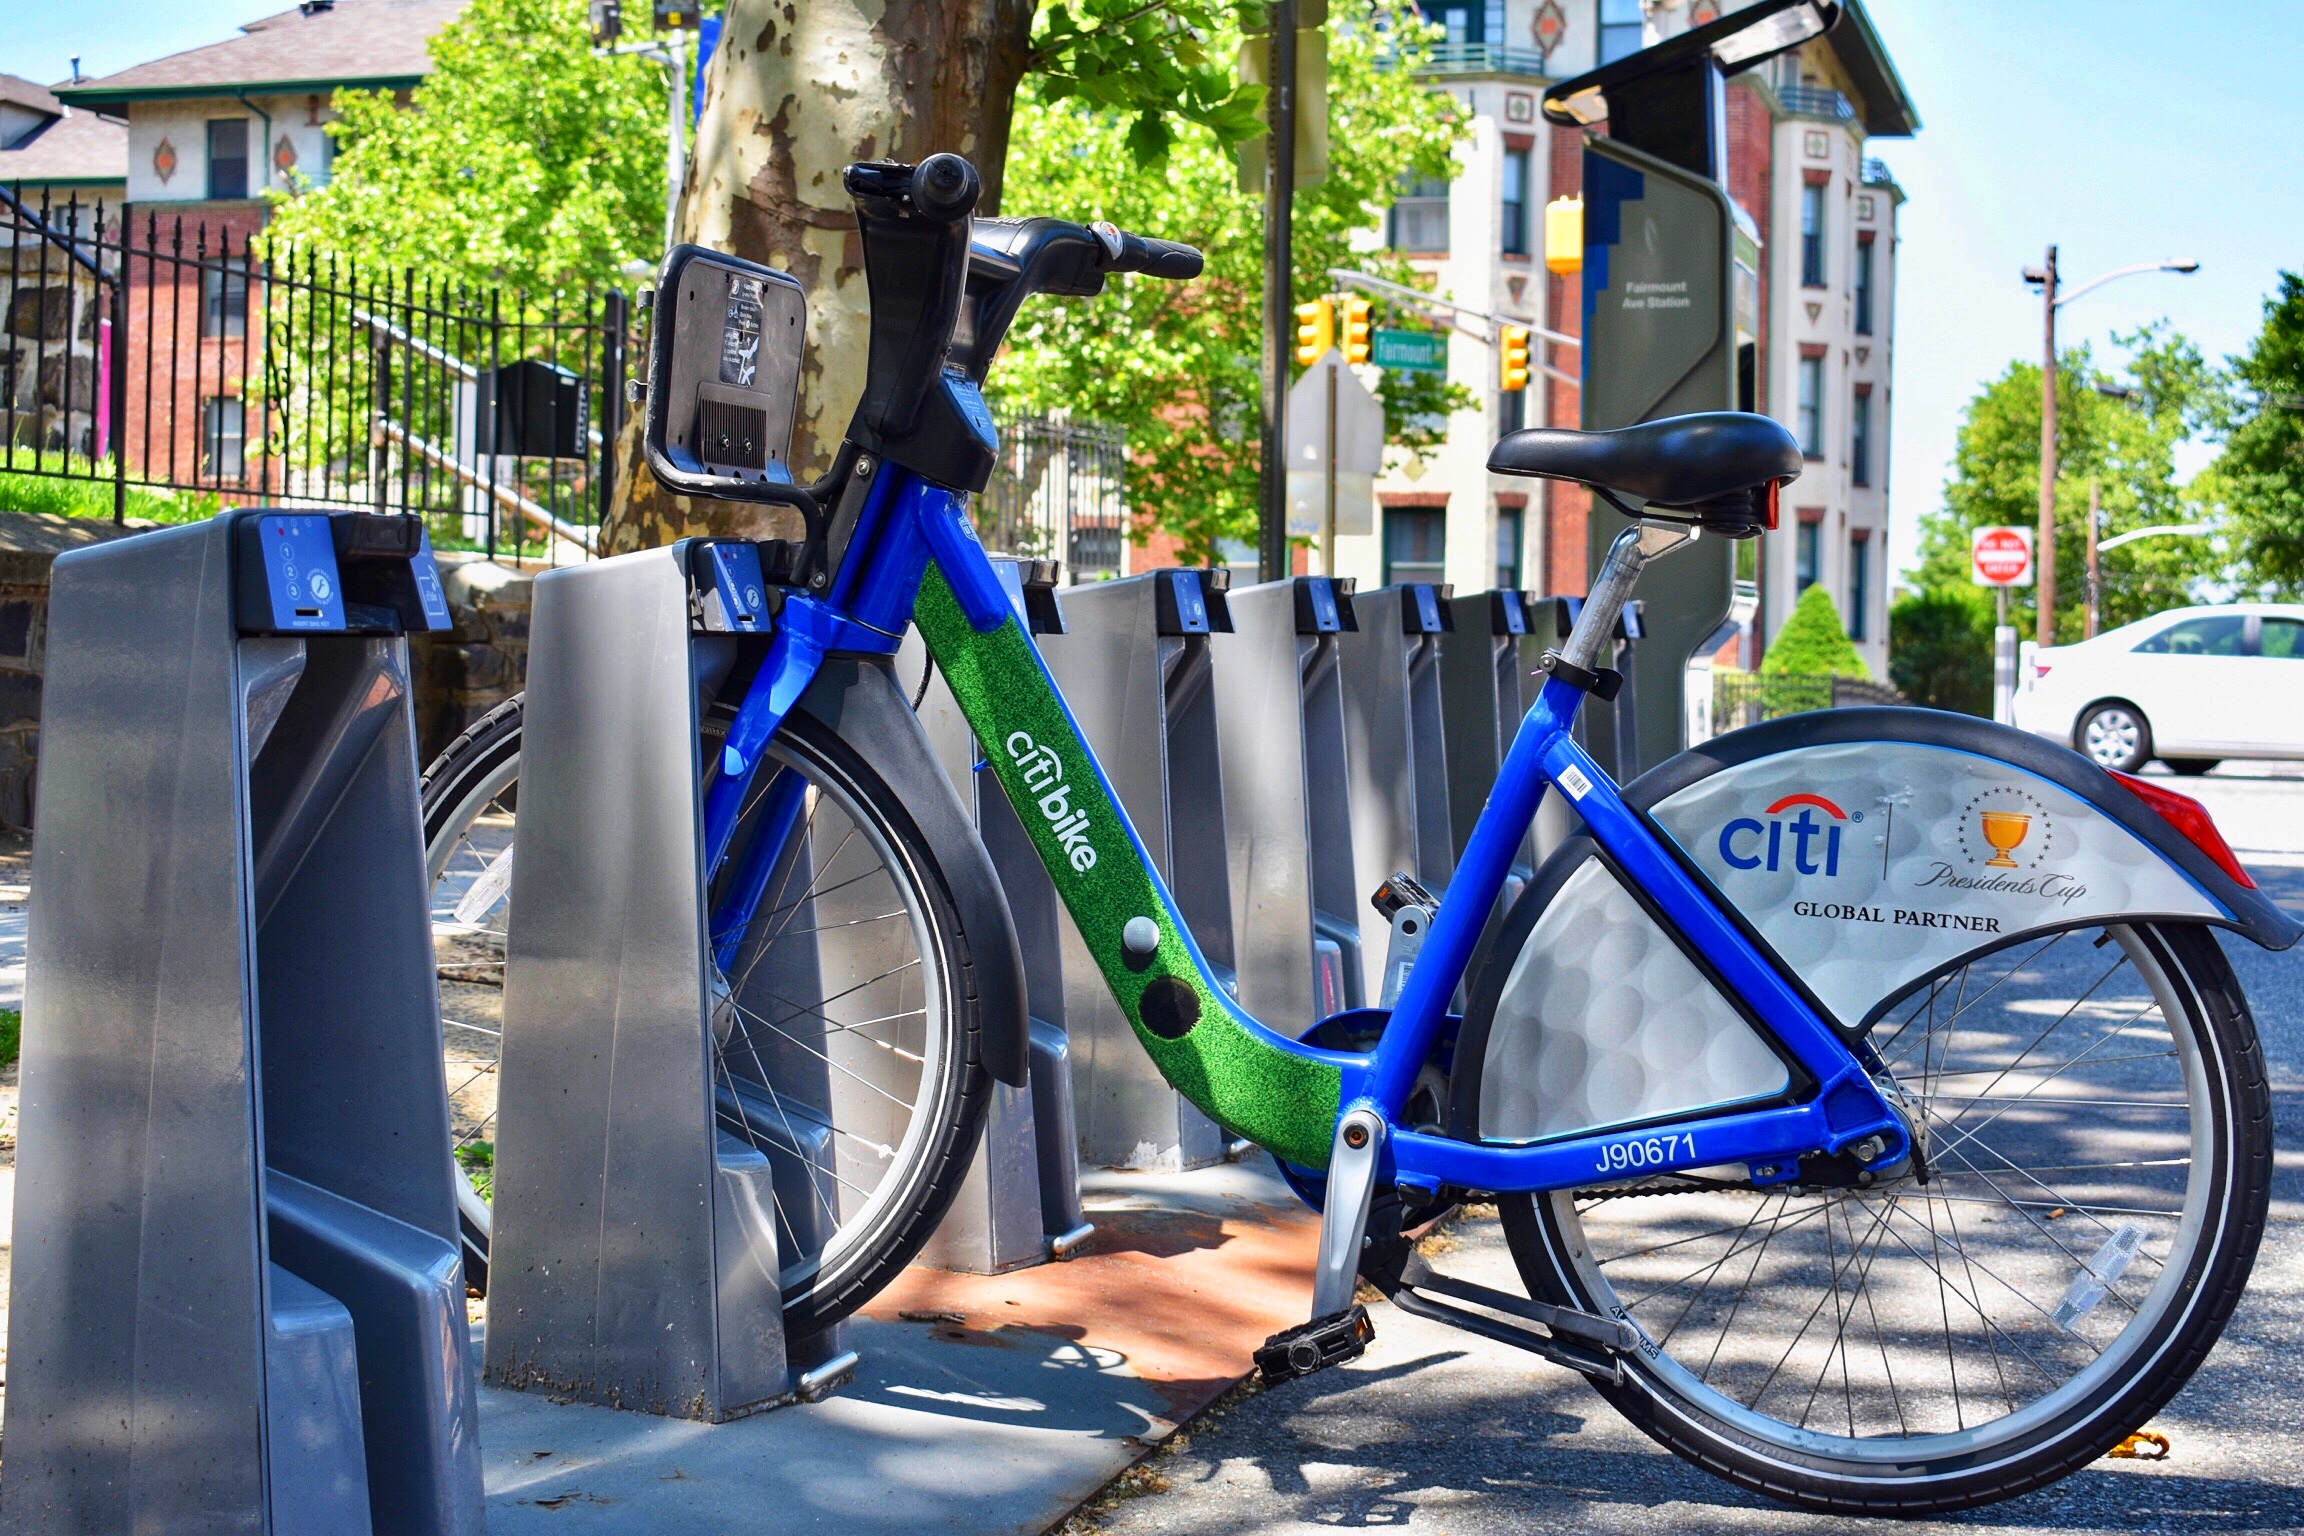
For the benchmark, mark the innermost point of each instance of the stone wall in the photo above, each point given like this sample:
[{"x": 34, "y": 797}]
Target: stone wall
[
  {"x": 29, "y": 545},
  {"x": 483, "y": 660}
]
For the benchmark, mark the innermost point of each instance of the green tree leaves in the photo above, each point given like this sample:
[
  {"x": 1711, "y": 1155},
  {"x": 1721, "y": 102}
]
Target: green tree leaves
[
  {"x": 522, "y": 162},
  {"x": 2261, "y": 475},
  {"x": 1178, "y": 365},
  {"x": 2125, "y": 441},
  {"x": 1155, "y": 63}
]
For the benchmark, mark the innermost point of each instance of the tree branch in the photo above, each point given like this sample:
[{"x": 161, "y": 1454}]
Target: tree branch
[{"x": 1040, "y": 56}]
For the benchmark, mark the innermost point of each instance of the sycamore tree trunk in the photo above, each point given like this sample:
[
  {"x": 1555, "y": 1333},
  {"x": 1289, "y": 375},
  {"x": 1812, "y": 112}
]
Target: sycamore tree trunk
[{"x": 797, "y": 90}]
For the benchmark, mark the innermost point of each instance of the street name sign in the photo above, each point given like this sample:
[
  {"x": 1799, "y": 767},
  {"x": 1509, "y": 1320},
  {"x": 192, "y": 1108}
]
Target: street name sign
[
  {"x": 2000, "y": 556},
  {"x": 1419, "y": 351}
]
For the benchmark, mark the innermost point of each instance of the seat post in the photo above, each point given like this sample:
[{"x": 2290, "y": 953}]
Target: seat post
[{"x": 1612, "y": 588}]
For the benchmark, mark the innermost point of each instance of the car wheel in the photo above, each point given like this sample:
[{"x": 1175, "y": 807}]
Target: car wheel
[
  {"x": 2191, "y": 767},
  {"x": 2115, "y": 736}
]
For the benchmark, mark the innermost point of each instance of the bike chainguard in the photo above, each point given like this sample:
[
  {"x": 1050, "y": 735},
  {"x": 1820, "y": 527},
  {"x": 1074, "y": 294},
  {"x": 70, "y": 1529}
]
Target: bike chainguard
[{"x": 1316, "y": 1345}]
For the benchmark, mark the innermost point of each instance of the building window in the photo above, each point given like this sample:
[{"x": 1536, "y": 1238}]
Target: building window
[
  {"x": 1859, "y": 582},
  {"x": 1812, "y": 235},
  {"x": 228, "y": 157},
  {"x": 1465, "y": 21},
  {"x": 1507, "y": 549},
  {"x": 1807, "y": 555},
  {"x": 1415, "y": 539},
  {"x": 1860, "y": 438},
  {"x": 224, "y": 301},
  {"x": 1810, "y": 425},
  {"x": 1420, "y": 215},
  {"x": 1619, "y": 29},
  {"x": 223, "y": 437},
  {"x": 1515, "y": 234},
  {"x": 1511, "y": 410},
  {"x": 1864, "y": 289}
]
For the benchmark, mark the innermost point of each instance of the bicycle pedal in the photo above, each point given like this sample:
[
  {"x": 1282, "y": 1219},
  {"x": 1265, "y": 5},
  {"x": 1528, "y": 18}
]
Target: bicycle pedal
[{"x": 1316, "y": 1345}]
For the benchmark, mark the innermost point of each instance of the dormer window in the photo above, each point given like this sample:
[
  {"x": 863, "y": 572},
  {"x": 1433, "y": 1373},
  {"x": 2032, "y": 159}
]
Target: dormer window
[{"x": 227, "y": 158}]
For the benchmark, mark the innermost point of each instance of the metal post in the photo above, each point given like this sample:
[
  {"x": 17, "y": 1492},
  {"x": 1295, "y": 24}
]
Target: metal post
[
  {"x": 1279, "y": 208},
  {"x": 2004, "y": 665},
  {"x": 2095, "y": 568},
  {"x": 116, "y": 385},
  {"x": 676, "y": 142},
  {"x": 614, "y": 330},
  {"x": 1328, "y": 521},
  {"x": 2045, "y": 556}
]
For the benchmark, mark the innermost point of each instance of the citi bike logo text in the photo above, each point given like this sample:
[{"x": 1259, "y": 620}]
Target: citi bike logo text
[
  {"x": 1803, "y": 842},
  {"x": 1044, "y": 776}
]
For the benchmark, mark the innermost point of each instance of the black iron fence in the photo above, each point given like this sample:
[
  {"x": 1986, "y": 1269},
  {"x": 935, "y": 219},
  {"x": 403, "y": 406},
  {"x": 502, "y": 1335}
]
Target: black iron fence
[
  {"x": 1747, "y": 698},
  {"x": 1057, "y": 493},
  {"x": 187, "y": 355},
  {"x": 194, "y": 356}
]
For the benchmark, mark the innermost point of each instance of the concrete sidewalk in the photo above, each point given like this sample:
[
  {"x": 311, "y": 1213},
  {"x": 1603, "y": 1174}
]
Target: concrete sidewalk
[{"x": 982, "y": 1403}]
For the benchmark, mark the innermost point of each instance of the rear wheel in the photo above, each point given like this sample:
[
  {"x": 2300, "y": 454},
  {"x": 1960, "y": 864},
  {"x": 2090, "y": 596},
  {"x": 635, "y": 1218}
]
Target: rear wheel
[
  {"x": 2115, "y": 735},
  {"x": 2095, "y": 1135},
  {"x": 846, "y": 1043}
]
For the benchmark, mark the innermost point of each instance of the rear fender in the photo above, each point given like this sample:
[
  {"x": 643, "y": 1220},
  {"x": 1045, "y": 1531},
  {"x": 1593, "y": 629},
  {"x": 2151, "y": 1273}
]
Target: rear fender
[{"x": 1854, "y": 844}]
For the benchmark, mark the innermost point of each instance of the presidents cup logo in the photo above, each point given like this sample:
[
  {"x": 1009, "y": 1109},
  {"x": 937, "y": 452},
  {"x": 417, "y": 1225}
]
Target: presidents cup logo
[{"x": 1044, "y": 776}]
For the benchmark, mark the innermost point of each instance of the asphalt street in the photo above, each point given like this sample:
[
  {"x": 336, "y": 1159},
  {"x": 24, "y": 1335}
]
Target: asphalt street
[{"x": 1437, "y": 1432}]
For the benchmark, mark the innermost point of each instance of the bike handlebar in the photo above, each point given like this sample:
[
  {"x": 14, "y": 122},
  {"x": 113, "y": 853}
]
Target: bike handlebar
[{"x": 1168, "y": 259}]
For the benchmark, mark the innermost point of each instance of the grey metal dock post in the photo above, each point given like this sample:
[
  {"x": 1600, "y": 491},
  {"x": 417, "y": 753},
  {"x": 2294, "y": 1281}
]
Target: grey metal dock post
[
  {"x": 634, "y": 1260},
  {"x": 1135, "y": 664},
  {"x": 237, "y": 1300},
  {"x": 1281, "y": 706},
  {"x": 1020, "y": 1204},
  {"x": 1394, "y": 743}
]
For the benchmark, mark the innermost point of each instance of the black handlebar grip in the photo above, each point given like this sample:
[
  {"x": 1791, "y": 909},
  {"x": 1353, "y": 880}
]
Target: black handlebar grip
[
  {"x": 1171, "y": 259},
  {"x": 1157, "y": 258},
  {"x": 945, "y": 188}
]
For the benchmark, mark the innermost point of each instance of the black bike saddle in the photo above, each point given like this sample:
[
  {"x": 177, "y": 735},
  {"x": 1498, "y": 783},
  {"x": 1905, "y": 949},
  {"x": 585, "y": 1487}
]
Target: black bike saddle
[{"x": 1721, "y": 467}]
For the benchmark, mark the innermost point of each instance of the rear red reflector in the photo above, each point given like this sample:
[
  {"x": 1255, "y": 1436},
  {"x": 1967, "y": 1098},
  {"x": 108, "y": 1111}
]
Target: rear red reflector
[
  {"x": 1773, "y": 487},
  {"x": 2189, "y": 817}
]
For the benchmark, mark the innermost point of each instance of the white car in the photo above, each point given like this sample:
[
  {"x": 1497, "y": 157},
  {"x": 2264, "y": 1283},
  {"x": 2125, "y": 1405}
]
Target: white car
[{"x": 2191, "y": 687}]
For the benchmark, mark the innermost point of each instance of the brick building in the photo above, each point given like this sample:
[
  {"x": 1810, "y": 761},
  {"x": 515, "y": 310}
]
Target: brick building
[
  {"x": 1823, "y": 217},
  {"x": 210, "y": 135}
]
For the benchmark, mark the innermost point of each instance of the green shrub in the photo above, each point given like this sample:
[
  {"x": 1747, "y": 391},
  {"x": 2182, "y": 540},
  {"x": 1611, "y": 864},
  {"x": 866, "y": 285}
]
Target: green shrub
[
  {"x": 11, "y": 1035},
  {"x": 20, "y": 492},
  {"x": 1813, "y": 642},
  {"x": 1940, "y": 649}
]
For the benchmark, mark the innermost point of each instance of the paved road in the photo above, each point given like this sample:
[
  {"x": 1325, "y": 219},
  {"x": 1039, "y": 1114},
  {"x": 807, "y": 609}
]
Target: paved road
[{"x": 1433, "y": 1432}]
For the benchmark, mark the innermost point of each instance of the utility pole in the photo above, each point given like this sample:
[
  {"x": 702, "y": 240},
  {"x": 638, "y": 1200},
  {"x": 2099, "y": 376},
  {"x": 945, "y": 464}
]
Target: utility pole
[
  {"x": 2054, "y": 296},
  {"x": 2095, "y": 570},
  {"x": 2045, "y": 549},
  {"x": 1279, "y": 308}
]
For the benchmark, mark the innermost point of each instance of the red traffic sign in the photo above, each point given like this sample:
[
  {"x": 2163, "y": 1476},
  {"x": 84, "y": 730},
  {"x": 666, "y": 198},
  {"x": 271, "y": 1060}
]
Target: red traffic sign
[{"x": 2000, "y": 557}]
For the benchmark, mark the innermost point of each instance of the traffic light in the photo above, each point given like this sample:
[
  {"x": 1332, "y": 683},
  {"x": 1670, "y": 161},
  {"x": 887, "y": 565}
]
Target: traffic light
[
  {"x": 1315, "y": 331},
  {"x": 1512, "y": 357},
  {"x": 1356, "y": 324},
  {"x": 676, "y": 15},
  {"x": 607, "y": 21}
]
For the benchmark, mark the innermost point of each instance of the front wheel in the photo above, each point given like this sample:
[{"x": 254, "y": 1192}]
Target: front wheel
[
  {"x": 2094, "y": 1128},
  {"x": 846, "y": 1046}
]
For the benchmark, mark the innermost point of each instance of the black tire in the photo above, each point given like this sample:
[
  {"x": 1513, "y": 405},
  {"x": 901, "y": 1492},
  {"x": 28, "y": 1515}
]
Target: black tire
[
  {"x": 2217, "y": 1220},
  {"x": 482, "y": 766},
  {"x": 2191, "y": 767},
  {"x": 2113, "y": 734}
]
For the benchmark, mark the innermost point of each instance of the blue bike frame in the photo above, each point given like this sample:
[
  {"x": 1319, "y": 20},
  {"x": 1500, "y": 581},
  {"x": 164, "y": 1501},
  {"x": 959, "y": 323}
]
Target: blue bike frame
[{"x": 906, "y": 522}]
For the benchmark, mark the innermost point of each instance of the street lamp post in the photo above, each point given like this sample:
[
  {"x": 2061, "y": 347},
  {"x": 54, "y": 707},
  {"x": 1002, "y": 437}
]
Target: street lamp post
[{"x": 2053, "y": 298}]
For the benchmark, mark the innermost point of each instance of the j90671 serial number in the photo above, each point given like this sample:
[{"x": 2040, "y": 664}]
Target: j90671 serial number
[{"x": 1647, "y": 1152}]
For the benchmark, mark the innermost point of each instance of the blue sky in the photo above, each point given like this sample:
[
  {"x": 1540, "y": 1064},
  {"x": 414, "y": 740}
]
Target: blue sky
[{"x": 2122, "y": 130}]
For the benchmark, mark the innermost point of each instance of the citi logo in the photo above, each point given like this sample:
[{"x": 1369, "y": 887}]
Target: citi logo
[
  {"x": 1044, "y": 776},
  {"x": 1749, "y": 844}
]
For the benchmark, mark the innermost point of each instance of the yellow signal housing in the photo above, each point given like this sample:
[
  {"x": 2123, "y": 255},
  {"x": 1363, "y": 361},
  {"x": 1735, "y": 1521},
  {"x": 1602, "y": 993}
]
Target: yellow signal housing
[
  {"x": 1315, "y": 331},
  {"x": 1512, "y": 357},
  {"x": 1358, "y": 320},
  {"x": 1564, "y": 235}
]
